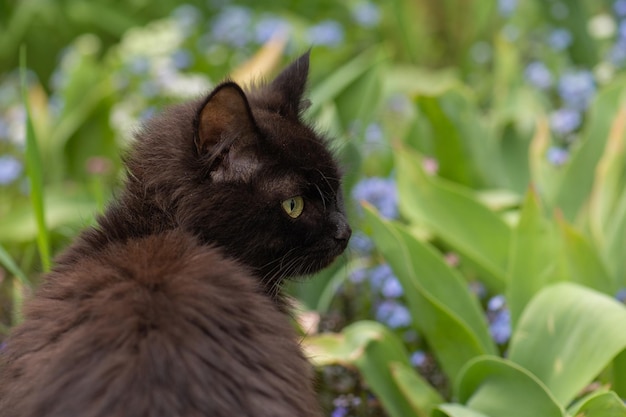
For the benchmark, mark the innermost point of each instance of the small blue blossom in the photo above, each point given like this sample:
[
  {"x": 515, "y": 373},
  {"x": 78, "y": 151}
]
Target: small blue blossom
[
  {"x": 500, "y": 327},
  {"x": 507, "y": 7},
  {"x": 393, "y": 314},
  {"x": 621, "y": 31},
  {"x": 326, "y": 33},
  {"x": 232, "y": 26},
  {"x": 181, "y": 58},
  {"x": 620, "y": 8},
  {"x": 379, "y": 192},
  {"x": 496, "y": 303},
  {"x": 557, "y": 156},
  {"x": 358, "y": 275},
  {"x": 576, "y": 88},
  {"x": 340, "y": 411},
  {"x": 10, "y": 169},
  {"x": 379, "y": 274},
  {"x": 621, "y": 295},
  {"x": 538, "y": 75},
  {"x": 392, "y": 288},
  {"x": 418, "y": 358},
  {"x": 270, "y": 26},
  {"x": 565, "y": 121},
  {"x": 617, "y": 54},
  {"x": 361, "y": 243},
  {"x": 374, "y": 135},
  {"x": 560, "y": 39},
  {"x": 366, "y": 14},
  {"x": 478, "y": 289}
]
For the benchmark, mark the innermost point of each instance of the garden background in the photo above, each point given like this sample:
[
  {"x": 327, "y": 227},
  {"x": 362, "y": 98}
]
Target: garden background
[{"x": 485, "y": 153}]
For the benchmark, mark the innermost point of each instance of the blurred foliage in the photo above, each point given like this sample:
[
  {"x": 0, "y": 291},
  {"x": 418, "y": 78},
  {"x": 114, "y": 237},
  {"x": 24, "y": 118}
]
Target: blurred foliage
[{"x": 485, "y": 152}]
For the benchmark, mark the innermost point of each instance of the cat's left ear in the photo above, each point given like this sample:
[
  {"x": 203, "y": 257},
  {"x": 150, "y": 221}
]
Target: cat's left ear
[
  {"x": 290, "y": 85},
  {"x": 225, "y": 130}
]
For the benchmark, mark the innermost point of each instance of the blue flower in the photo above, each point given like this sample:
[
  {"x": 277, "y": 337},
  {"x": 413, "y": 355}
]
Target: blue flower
[
  {"x": 576, "y": 88},
  {"x": 379, "y": 192},
  {"x": 392, "y": 287},
  {"x": 327, "y": 33},
  {"x": 538, "y": 75},
  {"x": 358, "y": 275},
  {"x": 379, "y": 274},
  {"x": 620, "y": 8},
  {"x": 621, "y": 31},
  {"x": 621, "y": 295},
  {"x": 500, "y": 327},
  {"x": 10, "y": 169},
  {"x": 617, "y": 54},
  {"x": 496, "y": 303},
  {"x": 564, "y": 121},
  {"x": 506, "y": 7},
  {"x": 418, "y": 358},
  {"x": 270, "y": 26},
  {"x": 560, "y": 39},
  {"x": 393, "y": 314},
  {"x": 557, "y": 156},
  {"x": 361, "y": 243},
  {"x": 232, "y": 26},
  {"x": 339, "y": 412},
  {"x": 366, "y": 14},
  {"x": 181, "y": 58}
]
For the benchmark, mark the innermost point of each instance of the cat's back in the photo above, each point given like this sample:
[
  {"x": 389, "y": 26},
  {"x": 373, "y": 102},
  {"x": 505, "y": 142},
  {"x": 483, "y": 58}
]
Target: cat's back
[{"x": 157, "y": 326}]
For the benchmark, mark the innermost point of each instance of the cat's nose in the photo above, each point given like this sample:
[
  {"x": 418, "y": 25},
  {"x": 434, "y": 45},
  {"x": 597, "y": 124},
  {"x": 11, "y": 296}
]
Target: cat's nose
[{"x": 343, "y": 230}]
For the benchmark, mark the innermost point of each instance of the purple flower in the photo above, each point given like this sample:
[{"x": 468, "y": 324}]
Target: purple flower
[
  {"x": 366, "y": 14},
  {"x": 557, "y": 156},
  {"x": 576, "y": 88},
  {"x": 539, "y": 75},
  {"x": 564, "y": 121},
  {"x": 327, "y": 33},
  {"x": 418, "y": 358},
  {"x": 500, "y": 326},
  {"x": 379, "y": 192},
  {"x": 270, "y": 26},
  {"x": 560, "y": 39},
  {"x": 391, "y": 287},
  {"x": 339, "y": 412},
  {"x": 10, "y": 169},
  {"x": 232, "y": 26},
  {"x": 496, "y": 303},
  {"x": 379, "y": 274},
  {"x": 393, "y": 314},
  {"x": 361, "y": 243},
  {"x": 620, "y": 8},
  {"x": 506, "y": 7}
]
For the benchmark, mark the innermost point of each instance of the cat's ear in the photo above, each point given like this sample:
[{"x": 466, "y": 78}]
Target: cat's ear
[
  {"x": 290, "y": 85},
  {"x": 225, "y": 133}
]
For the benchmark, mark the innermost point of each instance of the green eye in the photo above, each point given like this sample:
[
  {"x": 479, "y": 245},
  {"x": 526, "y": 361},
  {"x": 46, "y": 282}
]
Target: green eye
[{"x": 293, "y": 206}]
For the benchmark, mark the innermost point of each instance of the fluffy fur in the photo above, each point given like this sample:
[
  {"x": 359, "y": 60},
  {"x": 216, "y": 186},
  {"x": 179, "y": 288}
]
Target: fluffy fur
[{"x": 171, "y": 305}]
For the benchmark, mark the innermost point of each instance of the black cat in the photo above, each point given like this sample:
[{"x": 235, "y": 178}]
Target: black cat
[{"x": 171, "y": 306}]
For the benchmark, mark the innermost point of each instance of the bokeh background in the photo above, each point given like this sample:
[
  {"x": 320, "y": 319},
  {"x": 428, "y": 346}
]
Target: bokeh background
[{"x": 484, "y": 149}]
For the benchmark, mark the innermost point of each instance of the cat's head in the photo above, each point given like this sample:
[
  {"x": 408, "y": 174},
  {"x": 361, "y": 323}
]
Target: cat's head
[{"x": 242, "y": 171}]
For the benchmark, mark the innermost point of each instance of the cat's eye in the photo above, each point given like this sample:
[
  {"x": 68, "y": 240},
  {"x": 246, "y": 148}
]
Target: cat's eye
[{"x": 293, "y": 206}]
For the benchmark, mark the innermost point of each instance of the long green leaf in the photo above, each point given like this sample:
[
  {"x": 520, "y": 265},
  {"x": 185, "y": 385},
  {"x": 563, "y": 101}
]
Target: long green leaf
[
  {"x": 498, "y": 387},
  {"x": 422, "y": 396},
  {"x": 456, "y": 216},
  {"x": 456, "y": 410},
  {"x": 11, "y": 266},
  {"x": 599, "y": 404},
  {"x": 34, "y": 173},
  {"x": 533, "y": 256},
  {"x": 440, "y": 303},
  {"x": 567, "y": 335}
]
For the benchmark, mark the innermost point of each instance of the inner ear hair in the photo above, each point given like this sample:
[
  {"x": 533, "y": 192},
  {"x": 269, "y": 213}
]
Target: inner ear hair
[{"x": 226, "y": 111}]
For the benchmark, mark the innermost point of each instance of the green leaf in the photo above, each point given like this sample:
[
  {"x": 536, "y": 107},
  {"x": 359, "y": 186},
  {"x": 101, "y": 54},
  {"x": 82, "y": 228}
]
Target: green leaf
[
  {"x": 599, "y": 404},
  {"x": 34, "y": 173},
  {"x": 533, "y": 256},
  {"x": 456, "y": 410},
  {"x": 440, "y": 303},
  {"x": 11, "y": 266},
  {"x": 582, "y": 261},
  {"x": 377, "y": 353},
  {"x": 456, "y": 216},
  {"x": 498, "y": 387},
  {"x": 422, "y": 396},
  {"x": 566, "y": 336},
  {"x": 577, "y": 181}
]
